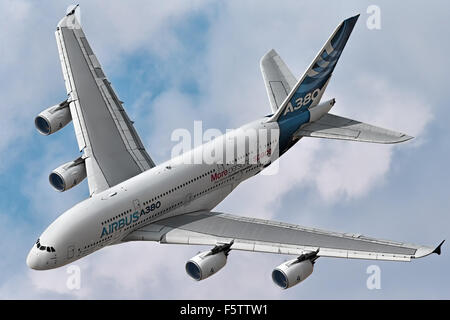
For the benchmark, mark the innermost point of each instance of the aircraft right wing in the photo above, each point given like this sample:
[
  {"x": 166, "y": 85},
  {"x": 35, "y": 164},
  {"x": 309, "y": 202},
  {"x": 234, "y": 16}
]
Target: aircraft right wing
[
  {"x": 331, "y": 126},
  {"x": 251, "y": 234},
  {"x": 113, "y": 151}
]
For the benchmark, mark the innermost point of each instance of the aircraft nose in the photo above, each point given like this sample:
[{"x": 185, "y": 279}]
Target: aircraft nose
[{"x": 35, "y": 259}]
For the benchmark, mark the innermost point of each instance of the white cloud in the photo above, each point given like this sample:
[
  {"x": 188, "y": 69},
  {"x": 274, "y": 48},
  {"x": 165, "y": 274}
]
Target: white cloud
[
  {"x": 31, "y": 76},
  {"x": 347, "y": 170}
]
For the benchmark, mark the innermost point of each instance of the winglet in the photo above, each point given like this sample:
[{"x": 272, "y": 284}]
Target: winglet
[
  {"x": 71, "y": 12},
  {"x": 72, "y": 19},
  {"x": 438, "y": 248}
]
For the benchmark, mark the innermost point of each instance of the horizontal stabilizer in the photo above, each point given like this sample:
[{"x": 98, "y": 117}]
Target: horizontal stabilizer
[
  {"x": 278, "y": 79},
  {"x": 334, "y": 127}
]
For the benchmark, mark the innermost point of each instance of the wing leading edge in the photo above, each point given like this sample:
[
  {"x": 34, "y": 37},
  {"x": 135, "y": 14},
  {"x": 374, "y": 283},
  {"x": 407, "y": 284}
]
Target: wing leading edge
[
  {"x": 113, "y": 151},
  {"x": 251, "y": 234}
]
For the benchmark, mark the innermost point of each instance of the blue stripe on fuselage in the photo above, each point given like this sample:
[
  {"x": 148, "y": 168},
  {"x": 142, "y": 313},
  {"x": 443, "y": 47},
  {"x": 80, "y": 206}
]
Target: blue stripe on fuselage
[{"x": 288, "y": 126}]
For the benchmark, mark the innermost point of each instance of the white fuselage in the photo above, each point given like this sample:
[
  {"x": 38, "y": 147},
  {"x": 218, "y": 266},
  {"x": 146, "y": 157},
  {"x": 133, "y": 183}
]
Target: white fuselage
[{"x": 171, "y": 188}]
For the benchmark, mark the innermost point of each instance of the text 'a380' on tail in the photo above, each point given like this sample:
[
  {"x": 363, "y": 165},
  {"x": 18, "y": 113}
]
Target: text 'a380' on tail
[{"x": 301, "y": 113}]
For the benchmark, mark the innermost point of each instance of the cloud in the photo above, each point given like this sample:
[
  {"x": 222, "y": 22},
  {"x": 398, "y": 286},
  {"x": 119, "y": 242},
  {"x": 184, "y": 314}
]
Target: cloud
[
  {"x": 31, "y": 75},
  {"x": 348, "y": 170}
]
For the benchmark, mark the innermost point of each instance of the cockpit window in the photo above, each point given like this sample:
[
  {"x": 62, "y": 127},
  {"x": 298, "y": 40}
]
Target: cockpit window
[{"x": 44, "y": 248}]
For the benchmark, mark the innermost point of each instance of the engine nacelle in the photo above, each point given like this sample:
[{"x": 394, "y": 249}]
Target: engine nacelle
[
  {"x": 52, "y": 119},
  {"x": 68, "y": 175},
  {"x": 205, "y": 264},
  {"x": 292, "y": 272}
]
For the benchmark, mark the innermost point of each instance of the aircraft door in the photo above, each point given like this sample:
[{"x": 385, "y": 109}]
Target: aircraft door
[
  {"x": 137, "y": 205},
  {"x": 70, "y": 251}
]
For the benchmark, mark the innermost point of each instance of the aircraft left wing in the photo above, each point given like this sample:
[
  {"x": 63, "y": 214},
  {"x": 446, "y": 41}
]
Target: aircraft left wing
[
  {"x": 251, "y": 234},
  {"x": 113, "y": 151}
]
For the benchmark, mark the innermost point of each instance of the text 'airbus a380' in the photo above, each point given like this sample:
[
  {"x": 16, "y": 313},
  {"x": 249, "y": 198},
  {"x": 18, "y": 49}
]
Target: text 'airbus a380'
[{"x": 133, "y": 199}]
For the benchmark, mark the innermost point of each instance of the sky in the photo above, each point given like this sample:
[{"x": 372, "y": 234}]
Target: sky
[{"x": 175, "y": 62}]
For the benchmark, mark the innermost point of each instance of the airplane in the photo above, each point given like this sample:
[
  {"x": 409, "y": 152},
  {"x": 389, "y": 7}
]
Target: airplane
[{"x": 133, "y": 199}]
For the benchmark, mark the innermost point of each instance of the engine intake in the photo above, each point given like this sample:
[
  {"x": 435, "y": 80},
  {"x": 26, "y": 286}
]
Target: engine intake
[
  {"x": 68, "y": 175},
  {"x": 292, "y": 272},
  {"x": 54, "y": 118},
  {"x": 207, "y": 263}
]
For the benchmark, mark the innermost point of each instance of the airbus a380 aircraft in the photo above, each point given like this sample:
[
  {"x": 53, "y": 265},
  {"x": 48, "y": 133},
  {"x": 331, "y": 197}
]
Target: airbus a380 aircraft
[{"x": 132, "y": 199}]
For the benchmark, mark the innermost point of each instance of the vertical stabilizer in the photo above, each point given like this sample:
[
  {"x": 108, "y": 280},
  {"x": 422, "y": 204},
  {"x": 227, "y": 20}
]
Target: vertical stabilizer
[{"x": 309, "y": 89}]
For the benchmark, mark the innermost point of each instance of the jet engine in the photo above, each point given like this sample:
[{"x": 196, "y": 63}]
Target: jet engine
[
  {"x": 292, "y": 272},
  {"x": 207, "y": 263},
  {"x": 54, "y": 118},
  {"x": 68, "y": 175}
]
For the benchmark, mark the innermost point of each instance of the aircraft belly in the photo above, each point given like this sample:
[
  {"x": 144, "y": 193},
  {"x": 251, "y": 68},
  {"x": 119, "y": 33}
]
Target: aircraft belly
[{"x": 210, "y": 200}]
